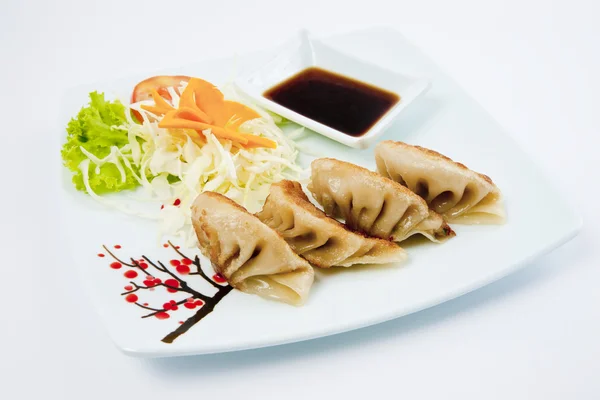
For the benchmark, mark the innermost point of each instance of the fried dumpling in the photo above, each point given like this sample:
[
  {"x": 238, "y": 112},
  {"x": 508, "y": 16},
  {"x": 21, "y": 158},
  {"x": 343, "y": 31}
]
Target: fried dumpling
[
  {"x": 323, "y": 241},
  {"x": 451, "y": 189},
  {"x": 371, "y": 203},
  {"x": 250, "y": 255},
  {"x": 434, "y": 228}
]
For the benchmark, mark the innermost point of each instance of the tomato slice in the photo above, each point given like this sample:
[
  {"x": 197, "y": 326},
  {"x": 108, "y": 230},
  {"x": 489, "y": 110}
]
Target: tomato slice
[
  {"x": 143, "y": 90},
  {"x": 160, "y": 83}
]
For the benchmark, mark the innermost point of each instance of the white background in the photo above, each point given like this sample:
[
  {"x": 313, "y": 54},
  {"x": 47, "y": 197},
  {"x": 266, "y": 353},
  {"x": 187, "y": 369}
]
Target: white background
[{"x": 534, "y": 64}]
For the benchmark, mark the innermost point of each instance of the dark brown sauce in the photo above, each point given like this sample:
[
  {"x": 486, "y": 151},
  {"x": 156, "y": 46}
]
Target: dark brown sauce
[{"x": 342, "y": 103}]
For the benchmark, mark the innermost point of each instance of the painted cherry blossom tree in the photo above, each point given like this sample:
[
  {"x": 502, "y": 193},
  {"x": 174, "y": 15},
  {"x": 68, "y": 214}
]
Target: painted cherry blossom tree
[{"x": 145, "y": 270}]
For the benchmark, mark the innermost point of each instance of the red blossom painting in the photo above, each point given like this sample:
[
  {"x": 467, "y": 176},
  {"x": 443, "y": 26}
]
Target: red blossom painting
[{"x": 146, "y": 275}]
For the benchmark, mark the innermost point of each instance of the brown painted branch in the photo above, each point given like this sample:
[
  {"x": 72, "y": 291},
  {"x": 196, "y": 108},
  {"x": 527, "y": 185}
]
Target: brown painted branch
[
  {"x": 137, "y": 265},
  {"x": 177, "y": 250},
  {"x": 115, "y": 257},
  {"x": 164, "y": 269},
  {"x": 146, "y": 307},
  {"x": 187, "y": 290},
  {"x": 156, "y": 311},
  {"x": 184, "y": 287},
  {"x": 206, "y": 309},
  {"x": 139, "y": 287},
  {"x": 200, "y": 272},
  {"x": 154, "y": 265},
  {"x": 179, "y": 289},
  {"x": 169, "y": 272},
  {"x": 136, "y": 288}
]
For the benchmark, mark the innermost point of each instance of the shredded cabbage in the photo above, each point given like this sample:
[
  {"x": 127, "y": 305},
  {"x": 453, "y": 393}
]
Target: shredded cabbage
[{"x": 174, "y": 166}]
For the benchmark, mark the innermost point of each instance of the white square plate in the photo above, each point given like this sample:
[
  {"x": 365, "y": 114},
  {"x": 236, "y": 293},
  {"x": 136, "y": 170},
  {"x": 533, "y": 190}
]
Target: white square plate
[
  {"x": 303, "y": 52},
  {"x": 445, "y": 119}
]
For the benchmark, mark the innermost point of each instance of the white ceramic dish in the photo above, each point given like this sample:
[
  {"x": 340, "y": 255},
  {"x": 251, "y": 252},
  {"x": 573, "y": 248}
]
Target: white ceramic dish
[
  {"x": 303, "y": 52},
  {"x": 445, "y": 119}
]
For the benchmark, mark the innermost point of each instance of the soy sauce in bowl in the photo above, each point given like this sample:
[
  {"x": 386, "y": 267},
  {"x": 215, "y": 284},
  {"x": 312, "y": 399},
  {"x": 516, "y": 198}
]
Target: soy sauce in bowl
[{"x": 342, "y": 103}]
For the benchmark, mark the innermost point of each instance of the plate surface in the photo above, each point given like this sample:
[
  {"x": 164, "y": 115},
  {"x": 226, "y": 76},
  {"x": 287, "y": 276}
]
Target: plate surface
[
  {"x": 303, "y": 52},
  {"x": 445, "y": 119}
]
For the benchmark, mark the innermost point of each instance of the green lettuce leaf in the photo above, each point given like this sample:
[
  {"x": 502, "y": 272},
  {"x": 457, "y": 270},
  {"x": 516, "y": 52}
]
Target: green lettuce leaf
[{"x": 94, "y": 129}]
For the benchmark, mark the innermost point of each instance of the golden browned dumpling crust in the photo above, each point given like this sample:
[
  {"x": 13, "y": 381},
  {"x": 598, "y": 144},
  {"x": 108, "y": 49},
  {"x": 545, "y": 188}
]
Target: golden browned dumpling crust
[
  {"x": 371, "y": 203},
  {"x": 322, "y": 240},
  {"x": 451, "y": 189},
  {"x": 250, "y": 255}
]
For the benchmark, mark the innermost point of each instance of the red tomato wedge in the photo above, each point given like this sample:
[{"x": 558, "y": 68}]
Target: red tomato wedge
[
  {"x": 143, "y": 90},
  {"x": 160, "y": 83}
]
